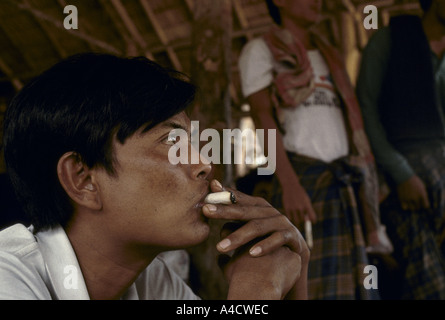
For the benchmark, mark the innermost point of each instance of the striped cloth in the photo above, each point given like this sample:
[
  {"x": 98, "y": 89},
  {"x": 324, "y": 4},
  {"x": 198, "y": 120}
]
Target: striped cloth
[
  {"x": 418, "y": 236},
  {"x": 338, "y": 257}
]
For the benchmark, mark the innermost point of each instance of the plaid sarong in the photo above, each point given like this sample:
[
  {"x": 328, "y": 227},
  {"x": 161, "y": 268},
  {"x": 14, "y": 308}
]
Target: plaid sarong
[
  {"x": 338, "y": 257},
  {"x": 418, "y": 236}
]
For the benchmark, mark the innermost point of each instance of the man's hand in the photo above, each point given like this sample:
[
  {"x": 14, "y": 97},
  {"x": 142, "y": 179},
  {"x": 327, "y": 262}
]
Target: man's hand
[
  {"x": 269, "y": 277},
  {"x": 296, "y": 203},
  {"x": 276, "y": 264},
  {"x": 412, "y": 194}
]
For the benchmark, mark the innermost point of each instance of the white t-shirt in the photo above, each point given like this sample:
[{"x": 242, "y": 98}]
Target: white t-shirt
[
  {"x": 316, "y": 128},
  {"x": 44, "y": 266}
]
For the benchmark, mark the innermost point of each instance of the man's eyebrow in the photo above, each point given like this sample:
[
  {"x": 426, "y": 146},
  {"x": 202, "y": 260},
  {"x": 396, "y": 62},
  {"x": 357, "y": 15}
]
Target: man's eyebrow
[
  {"x": 173, "y": 125},
  {"x": 166, "y": 124}
]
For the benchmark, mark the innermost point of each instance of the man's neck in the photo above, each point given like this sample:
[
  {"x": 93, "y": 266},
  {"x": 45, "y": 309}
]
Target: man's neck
[
  {"x": 300, "y": 32},
  {"x": 108, "y": 268}
]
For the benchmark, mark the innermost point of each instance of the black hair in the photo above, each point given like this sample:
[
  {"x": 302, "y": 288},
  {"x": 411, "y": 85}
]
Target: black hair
[
  {"x": 274, "y": 11},
  {"x": 80, "y": 105},
  {"x": 425, "y": 4}
]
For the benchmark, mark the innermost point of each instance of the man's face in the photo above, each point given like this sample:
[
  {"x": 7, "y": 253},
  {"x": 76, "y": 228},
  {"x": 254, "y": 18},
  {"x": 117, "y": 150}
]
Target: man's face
[
  {"x": 304, "y": 12},
  {"x": 151, "y": 202}
]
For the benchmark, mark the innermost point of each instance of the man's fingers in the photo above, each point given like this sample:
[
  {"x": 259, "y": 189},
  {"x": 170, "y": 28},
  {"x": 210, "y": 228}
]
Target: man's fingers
[
  {"x": 229, "y": 228},
  {"x": 312, "y": 215},
  {"x": 417, "y": 204},
  {"x": 425, "y": 201},
  {"x": 238, "y": 212},
  {"x": 276, "y": 240},
  {"x": 275, "y": 231},
  {"x": 259, "y": 227},
  {"x": 241, "y": 198},
  {"x": 298, "y": 216}
]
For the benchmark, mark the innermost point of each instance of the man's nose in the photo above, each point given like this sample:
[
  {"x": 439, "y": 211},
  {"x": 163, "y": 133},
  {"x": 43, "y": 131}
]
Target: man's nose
[{"x": 202, "y": 168}]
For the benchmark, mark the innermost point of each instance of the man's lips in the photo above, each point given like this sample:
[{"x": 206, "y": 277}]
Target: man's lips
[{"x": 201, "y": 202}]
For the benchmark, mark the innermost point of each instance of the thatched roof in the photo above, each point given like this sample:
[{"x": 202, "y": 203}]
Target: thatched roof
[{"x": 32, "y": 35}]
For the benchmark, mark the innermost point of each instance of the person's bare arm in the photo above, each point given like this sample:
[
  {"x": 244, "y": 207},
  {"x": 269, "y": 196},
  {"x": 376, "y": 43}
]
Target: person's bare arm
[{"x": 296, "y": 202}]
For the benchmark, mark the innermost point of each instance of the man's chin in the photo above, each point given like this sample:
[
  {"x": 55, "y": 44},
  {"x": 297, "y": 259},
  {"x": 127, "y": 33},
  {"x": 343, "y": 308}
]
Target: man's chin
[{"x": 200, "y": 235}]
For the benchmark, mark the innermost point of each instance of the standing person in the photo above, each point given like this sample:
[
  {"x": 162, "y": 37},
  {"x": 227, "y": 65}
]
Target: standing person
[
  {"x": 86, "y": 146},
  {"x": 296, "y": 83},
  {"x": 401, "y": 88}
]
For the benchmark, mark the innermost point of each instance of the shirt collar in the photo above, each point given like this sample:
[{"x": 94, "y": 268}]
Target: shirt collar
[{"x": 63, "y": 269}]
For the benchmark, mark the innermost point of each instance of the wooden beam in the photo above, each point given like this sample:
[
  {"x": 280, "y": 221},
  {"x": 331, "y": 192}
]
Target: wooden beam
[
  {"x": 404, "y": 7},
  {"x": 240, "y": 14},
  {"x": 59, "y": 24},
  {"x": 16, "y": 82},
  {"x": 131, "y": 27},
  {"x": 191, "y": 6},
  {"x": 25, "y": 58},
  {"x": 378, "y": 3},
  {"x": 131, "y": 46},
  {"x": 348, "y": 5},
  {"x": 161, "y": 34},
  {"x": 48, "y": 31},
  {"x": 184, "y": 43}
]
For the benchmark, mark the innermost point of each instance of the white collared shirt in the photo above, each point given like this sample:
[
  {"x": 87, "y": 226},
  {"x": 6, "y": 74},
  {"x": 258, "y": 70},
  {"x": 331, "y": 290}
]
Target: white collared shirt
[{"x": 44, "y": 266}]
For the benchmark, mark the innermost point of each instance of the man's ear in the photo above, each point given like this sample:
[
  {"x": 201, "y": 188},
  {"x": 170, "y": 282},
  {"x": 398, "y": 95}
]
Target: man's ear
[{"x": 78, "y": 181}]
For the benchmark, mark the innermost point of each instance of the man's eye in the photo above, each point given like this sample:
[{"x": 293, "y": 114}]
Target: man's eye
[
  {"x": 177, "y": 136},
  {"x": 172, "y": 138}
]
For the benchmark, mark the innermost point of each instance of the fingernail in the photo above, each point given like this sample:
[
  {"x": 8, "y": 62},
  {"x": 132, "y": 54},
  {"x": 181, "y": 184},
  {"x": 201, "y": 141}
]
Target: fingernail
[
  {"x": 218, "y": 184},
  {"x": 211, "y": 207},
  {"x": 255, "y": 251},
  {"x": 223, "y": 245}
]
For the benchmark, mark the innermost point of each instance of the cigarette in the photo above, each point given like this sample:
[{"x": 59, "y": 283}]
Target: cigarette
[
  {"x": 223, "y": 197},
  {"x": 308, "y": 233}
]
